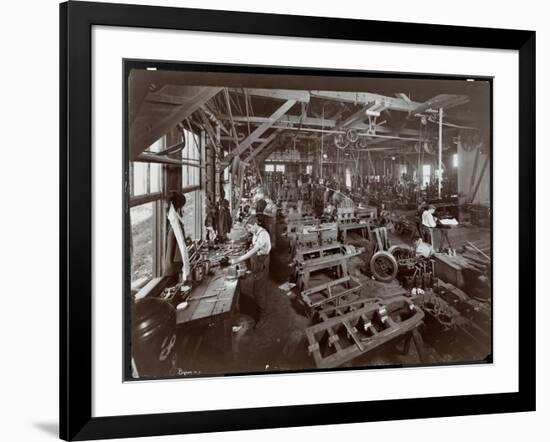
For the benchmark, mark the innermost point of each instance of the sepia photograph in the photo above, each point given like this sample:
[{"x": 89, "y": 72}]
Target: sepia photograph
[{"x": 284, "y": 220}]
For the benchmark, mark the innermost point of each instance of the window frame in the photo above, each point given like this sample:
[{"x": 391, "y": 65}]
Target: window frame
[
  {"x": 158, "y": 226},
  {"x": 199, "y": 145},
  {"x": 158, "y": 232}
]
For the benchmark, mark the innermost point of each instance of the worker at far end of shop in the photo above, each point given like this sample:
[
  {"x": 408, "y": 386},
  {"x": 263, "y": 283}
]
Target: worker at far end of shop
[
  {"x": 259, "y": 266},
  {"x": 428, "y": 224}
]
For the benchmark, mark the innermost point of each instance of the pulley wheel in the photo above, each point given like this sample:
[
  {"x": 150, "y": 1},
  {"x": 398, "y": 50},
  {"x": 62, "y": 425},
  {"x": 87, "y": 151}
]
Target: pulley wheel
[
  {"x": 340, "y": 141},
  {"x": 352, "y": 136}
]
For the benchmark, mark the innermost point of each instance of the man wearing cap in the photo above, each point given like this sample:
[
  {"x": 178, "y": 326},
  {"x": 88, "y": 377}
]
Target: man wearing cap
[{"x": 259, "y": 266}]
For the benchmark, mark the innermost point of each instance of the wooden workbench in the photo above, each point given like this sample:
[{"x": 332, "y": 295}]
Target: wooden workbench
[
  {"x": 450, "y": 268},
  {"x": 214, "y": 301}
]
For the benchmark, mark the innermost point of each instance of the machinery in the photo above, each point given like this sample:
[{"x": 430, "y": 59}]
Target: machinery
[
  {"x": 318, "y": 250},
  {"x": 348, "y": 331},
  {"x": 353, "y": 218},
  {"x": 455, "y": 323},
  {"x": 413, "y": 271}
]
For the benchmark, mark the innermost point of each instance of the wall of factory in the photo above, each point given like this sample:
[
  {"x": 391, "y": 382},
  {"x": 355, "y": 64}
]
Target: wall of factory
[{"x": 470, "y": 173}]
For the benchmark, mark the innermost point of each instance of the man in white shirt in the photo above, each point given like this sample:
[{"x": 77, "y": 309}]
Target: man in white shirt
[
  {"x": 428, "y": 224},
  {"x": 259, "y": 266}
]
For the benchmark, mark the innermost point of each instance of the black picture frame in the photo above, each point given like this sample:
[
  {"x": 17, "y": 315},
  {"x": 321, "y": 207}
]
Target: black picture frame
[{"x": 76, "y": 21}]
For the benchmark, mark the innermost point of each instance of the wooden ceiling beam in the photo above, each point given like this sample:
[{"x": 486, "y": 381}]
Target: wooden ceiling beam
[
  {"x": 266, "y": 152},
  {"x": 366, "y": 98},
  {"x": 264, "y": 144},
  {"x": 357, "y": 117},
  {"x": 316, "y": 122},
  {"x": 148, "y": 127},
  {"x": 278, "y": 94},
  {"x": 445, "y": 101},
  {"x": 260, "y": 130}
]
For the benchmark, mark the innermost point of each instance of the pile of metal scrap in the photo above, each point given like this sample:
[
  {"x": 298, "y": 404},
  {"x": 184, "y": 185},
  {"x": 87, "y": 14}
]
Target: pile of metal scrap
[
  {"x": 349, "y": 330},
  {"x": 456, "y": 323},
  {"x": 414, "y": 272}
]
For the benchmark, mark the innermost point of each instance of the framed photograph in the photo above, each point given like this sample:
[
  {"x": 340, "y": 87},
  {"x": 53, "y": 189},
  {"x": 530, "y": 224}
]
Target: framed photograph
[{"x": 272, "y": 220}]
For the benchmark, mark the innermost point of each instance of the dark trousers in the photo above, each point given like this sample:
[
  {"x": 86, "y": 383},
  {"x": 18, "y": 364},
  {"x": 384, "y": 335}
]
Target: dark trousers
[
  {"x": 260, "y": 273},
  {"x": 427, "y": 234}
]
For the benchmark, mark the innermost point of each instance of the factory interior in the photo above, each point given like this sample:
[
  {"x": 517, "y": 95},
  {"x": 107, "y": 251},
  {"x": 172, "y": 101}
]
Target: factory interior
[{"x": 280, "y": 222}]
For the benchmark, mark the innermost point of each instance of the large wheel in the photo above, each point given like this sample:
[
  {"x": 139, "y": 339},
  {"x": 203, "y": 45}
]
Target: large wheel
[{"x": 383, "y": 266}]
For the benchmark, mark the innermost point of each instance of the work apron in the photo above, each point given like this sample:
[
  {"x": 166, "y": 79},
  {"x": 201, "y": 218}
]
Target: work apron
[{"x": 259, "y": 267}]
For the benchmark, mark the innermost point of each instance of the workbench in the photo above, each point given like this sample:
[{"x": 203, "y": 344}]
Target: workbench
[
  {"x": 450, "y": 268},
  {"x": 214, "y": 300}
]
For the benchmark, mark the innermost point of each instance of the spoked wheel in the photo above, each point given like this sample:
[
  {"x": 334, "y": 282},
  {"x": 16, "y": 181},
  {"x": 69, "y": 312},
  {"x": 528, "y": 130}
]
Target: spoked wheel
[{"x": 383, "y": 266}]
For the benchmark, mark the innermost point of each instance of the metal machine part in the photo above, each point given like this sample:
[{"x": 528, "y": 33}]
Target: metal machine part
[
  {"x": 455, "y": 323},
  {"x": 331, "y": 293},
  {"x": 383, "y": 266},
  {"x": 342, "y": 337}
]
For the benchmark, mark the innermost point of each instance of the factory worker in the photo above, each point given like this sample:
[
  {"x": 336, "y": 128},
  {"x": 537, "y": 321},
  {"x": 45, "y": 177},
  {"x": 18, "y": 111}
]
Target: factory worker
[
  {"x": 259, "y": 266},
  {"x": 266, "y": 212},
  {"x": 428, "y": 223},
  {"x": 260, "y": 204}
]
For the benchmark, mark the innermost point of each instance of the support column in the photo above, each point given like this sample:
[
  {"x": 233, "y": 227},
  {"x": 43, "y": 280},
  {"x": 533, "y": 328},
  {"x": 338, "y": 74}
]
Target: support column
[{"x": 440, "y": 175}]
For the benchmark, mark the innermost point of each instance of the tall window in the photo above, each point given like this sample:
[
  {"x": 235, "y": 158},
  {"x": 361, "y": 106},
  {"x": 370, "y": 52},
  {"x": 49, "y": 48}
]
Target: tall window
[
  {"x": 145, "y": 207},
  {"x": 191, "y": 182},
  {"x": 455, "y": 160},
  {"x": 191, "y": 155},
  {"x": 309, "y": 169},
  {"x": 142, "y": 222},
  {"x": 147, "y": 177},
  {"x": 192, "y": 215}
]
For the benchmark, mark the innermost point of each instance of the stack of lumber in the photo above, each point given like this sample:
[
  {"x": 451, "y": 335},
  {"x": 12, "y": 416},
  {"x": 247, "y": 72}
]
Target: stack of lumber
[{"x": 478, "y": 256}]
